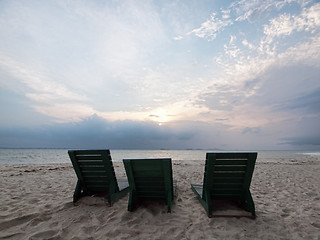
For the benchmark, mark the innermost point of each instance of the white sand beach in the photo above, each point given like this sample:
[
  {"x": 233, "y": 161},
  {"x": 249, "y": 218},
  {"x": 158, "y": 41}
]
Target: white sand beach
[{"x": 36, "y": 203}]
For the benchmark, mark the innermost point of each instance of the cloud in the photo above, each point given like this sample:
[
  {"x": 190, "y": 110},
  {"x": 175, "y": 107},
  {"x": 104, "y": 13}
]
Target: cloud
[
  {"x": 260, "y": 90},
  {"x": 308, "y": 20},
  {"x": 43, "y": 88},
  {"x": 85, "y": 56},
  {"x": 303, "y": 141},
  {"x": 177, "y": 38},
  {"x": 251, "y": 130},
  {"x": 226, "y": 13},
  {"x": 304, "y": 134},
  {"x": 210, "y": 28},
  {"x": 222, "y": 100},
  {"x": 243, "y": 10},
  {"x": 47, "y": 96},
  {"x": 135, "y": 66},
  {"x": 95, "y": 132},
  {"x": 308, "y": 102},
  {"x": 231, "y": 49},
  {"x": 252, "y": 10}
]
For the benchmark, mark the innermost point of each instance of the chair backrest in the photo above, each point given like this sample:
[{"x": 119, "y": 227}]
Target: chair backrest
[
  {"x": 149, "y": 178},
  {"x": 228, "y": 175},
  {"x": 94, "y": 170}
]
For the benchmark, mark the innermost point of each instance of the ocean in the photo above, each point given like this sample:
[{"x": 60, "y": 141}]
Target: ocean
[{"x": 44, "y": 156}]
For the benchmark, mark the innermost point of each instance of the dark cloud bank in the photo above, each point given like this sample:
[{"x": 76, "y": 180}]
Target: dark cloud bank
[{"x": 95, "y": 132}]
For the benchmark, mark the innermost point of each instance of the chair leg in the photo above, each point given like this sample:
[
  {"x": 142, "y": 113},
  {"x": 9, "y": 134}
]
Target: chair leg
[
  {"x": 208, "y": 204},
  {"x": 132, "y": 201},
  {"x": 248, "y": 203},
  {"x": 108, "y": 200},
  {"x": 77, "y": 192},
  {"x": 169, "y": 201}
]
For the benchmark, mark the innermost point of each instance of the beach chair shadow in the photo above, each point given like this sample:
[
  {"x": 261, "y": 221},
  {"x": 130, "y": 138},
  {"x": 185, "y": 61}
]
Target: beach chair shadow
[
  {"x": 226, "y": 184},
  {"x": 149, "y": 179},
  {"x": 96, "y": 175}
]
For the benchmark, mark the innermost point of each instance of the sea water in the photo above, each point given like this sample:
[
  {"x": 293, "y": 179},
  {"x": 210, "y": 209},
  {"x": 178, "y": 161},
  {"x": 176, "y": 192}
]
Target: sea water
[{"x": 43, "y": 156}]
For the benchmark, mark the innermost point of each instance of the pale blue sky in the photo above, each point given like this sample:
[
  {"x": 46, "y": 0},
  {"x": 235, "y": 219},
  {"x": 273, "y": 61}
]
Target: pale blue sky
[{"x": 160, "y": 74}]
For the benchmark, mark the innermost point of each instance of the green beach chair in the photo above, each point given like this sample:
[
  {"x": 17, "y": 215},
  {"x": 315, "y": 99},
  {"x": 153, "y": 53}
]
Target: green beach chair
[
  {"x": 149, "y": 178},
  {"x": 96, "y": 175},
  {"x": 227, "y": 176}
]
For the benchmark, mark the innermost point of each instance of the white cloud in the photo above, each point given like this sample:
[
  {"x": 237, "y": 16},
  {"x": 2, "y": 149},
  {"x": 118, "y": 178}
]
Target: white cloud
[
  {"x": 65, "y": 112},
  {"x": 289, "y": 25},
  {"x": 243, "y": 80},
  {"x": 286, "y": 24},
  {"x": 78, "y": 53},
  {"x": 231, "y": 49},
  {"x": 247, "y": 11},
  {"x": 226, "y": 13},
  {"x": 250, "y": 10},
  {"x": 247, "y": 44},
  {"x": 211, "y": 27},
  {"x": 39, "y": 86},
  {"x": 177, "y": 38},
  {"x": 307, "y": 53},
  {"x": 47, "y": 96}
]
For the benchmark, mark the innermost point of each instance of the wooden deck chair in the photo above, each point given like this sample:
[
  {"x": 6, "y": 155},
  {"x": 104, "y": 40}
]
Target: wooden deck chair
[
  {"x": 227, "y": 176},
  {"x": 96, "y": 175},
  {"x": 149, "y": 178}
]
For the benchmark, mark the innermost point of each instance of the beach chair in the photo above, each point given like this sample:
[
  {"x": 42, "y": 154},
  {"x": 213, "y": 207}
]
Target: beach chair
[
  {"x": 227, "y": 176},
  {"x": 96, "y": 175},
  {"x": 149, "y": 179}
]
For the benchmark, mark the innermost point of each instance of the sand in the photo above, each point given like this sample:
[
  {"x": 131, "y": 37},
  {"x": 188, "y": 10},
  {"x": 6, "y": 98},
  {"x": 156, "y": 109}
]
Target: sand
[{"x": 36, "y": 203}]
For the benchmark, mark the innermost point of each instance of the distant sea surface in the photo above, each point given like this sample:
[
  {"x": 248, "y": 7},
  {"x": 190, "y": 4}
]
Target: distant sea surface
[{"x": 42, "y": 156}]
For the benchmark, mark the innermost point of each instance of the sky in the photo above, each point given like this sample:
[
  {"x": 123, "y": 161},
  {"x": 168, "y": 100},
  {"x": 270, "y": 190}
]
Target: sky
[{"x": 188, "y": 74}]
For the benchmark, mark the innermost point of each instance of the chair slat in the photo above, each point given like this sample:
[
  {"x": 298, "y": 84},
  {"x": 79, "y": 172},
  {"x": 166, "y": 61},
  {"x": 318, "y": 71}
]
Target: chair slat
[{"x": 230, "y": 168}]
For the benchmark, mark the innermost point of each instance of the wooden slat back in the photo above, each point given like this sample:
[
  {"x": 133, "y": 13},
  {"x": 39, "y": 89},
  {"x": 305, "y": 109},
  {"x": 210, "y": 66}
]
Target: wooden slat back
[
  {"x": 228, "y": 175},
  {"x": 94, "y": 169},
  {"x": 149, "y": 178}
]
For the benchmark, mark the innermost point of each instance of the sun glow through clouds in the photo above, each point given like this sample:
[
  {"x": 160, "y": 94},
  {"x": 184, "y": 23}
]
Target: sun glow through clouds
[{"x": 160, "y": 117}]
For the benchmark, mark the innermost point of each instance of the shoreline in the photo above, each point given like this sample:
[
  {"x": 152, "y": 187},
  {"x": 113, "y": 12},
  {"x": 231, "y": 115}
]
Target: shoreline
[
  {"x": 52, "y": 156},
  {"x": 36, "y": 203}
]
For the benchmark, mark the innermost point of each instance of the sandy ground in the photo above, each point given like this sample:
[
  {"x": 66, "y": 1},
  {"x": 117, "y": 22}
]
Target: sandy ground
[{"x": 36, "y": 203}]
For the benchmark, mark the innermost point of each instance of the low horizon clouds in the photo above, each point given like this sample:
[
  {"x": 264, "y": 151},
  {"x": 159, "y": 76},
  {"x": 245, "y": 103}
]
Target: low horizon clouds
[{"x": 226, "y": 75}]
